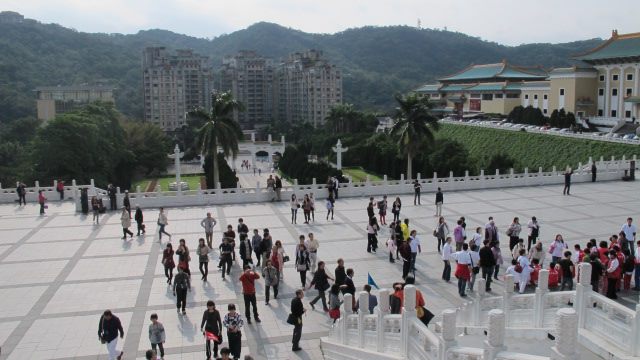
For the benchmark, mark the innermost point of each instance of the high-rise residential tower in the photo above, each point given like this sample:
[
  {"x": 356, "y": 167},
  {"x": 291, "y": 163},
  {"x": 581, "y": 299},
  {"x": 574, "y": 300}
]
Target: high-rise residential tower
[{"x": 173, "y": 85}]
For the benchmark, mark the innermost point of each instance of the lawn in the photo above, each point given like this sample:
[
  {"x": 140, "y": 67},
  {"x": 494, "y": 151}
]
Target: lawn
[
  {"x": 192, "y": 180},
  {"x": 358, "y": 174}
]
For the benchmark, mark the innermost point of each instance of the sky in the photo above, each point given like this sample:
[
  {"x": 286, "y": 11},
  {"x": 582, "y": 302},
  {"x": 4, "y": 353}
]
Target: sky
[{"x": 509, "y": 22}]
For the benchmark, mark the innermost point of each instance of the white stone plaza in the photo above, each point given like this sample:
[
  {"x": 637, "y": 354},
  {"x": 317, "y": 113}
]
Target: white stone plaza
[{"x": 60, "y": 272}]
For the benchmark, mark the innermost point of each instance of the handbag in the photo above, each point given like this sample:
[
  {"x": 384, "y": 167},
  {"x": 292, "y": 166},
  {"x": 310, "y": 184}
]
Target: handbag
[
  {"x": 301, "y": 267},
  {"x": 475, "y": 269},
  {"x": 435, "y": 233},
  {"x": 334, "y": 313},
  {"x": 424, "y": 315},
  {"x": 518, "y": 268},
  {"x": 285, "y": 258},
  {"x": 292, "y": 319}
]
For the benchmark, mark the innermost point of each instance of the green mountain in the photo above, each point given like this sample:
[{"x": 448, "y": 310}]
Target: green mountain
[{"x": 376, "y": 61}]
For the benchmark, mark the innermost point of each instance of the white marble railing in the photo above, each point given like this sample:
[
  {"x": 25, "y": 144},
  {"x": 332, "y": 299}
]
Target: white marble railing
[{"x": 607, "y": 171}]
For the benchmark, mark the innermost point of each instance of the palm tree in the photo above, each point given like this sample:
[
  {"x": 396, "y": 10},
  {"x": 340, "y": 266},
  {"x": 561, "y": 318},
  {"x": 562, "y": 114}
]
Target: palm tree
[
  {"x": 414, "y": 126},
  {"x": 219, "y": 130}
]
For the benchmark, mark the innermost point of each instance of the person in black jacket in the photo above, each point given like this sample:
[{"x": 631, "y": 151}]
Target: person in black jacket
[
  {"x": 439, "y": 202},
  {"x": 297, "y": 310},
  {"x": 139, "y": 220},
  {"x": 340, "y": 273},
  {"x": 126, "y": 202},
  {"x": 487, "y": 263},
  {"x": 112, "y": 191},
  {"x": 108, "y": 329},
  {"x": 211, "y": 322},
  {"x": 321, "y": 282}
]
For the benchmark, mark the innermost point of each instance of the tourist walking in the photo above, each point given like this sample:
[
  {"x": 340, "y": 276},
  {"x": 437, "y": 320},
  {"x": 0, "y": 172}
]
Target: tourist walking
[
  {"x": 41, "y": 200},
  {"x": 126, "y": 202},
  {"x": 267, "y": 245},
  {"x": 302, "y": 262},
  {"x": 297, "y": 310},
  {"x": 233, "y": 323},
  {"x": 321, "y": 283},
  {"x": 312, "y": 246},
  {"x": 125, "y": 220},
  {"x": 497, "y": 254},
  {"x": 446, "y": 258},
  {"x": 414, "y": 245},
  {"x": 112, "y": 191},
  {"x": 534, "y": 232},
  {"x": 230, "y": 235},
  {"x": 60, "y": 189},
  {"x": 108, "y": 328},
  {"x": 181, "y": 284},
  {"x": 168, "y": 263},
  {"x": 525, "y": 267},
  {"x": 487, "y": 263},
  {"x": 491, "y": 231},
  {"x": 157, "y": 336},
  {"x": 416, "y": 192},
  {"x": 203, "y": 258},
  {"x": 162, "y": 222},
  {"x": 513, "y": 232},
  {"x": 183, "y": 257},
  {"x": 271, "y": 280},
  {"x": 245, "y": 250},
  {"x": 207, "y": 224},
  {"x": 306, "y": 208},
  {"x": 395, "y": 209},
  {"x": 567, "y": 181},
  {"x": 372, "y": 231},
  {"x": 441, "y": 231},
  {"x": 139, "y": 218},
  {"x": 463, "y": 268},
  {"x": 557, "y": 249},
  {"x": 278, "y": 187},
  {"x": 211, "y": 323},
  {"x": 225, "y": 257},
  {"x": 95, "y": 208},
  {"x": 334, "y": 302},
  {"x": 248, "y": 279},
  {"x": 279, "y": 255},
  {"x": 295, "y": 205},
  {"x": 340, "y": 272},
  {"x": 330, "y": 206},
  {"x": 382, "y": 210},
  {"x": 256, "y": 245},
  {"x": 458, "y": 235},
  {"x": 439, "y": 202},
  {"x": 312, "y": 201},
  {"x": 22, "y": 194},
  {"x": 392, "y": 247},
  {"x": 405, "y": 253},
  {"x": 567, "y": 269}
]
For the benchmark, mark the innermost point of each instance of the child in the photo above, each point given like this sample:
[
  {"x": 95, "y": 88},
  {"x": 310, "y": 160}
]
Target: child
[
  {"x": 554, "y": 277},
  {"x": 225, "y": 354},
  {"x": 628, "y": 268},
  {"x": 511, "y": 270},
  {"x": 233, "y": 322},
  {"x": 536, "y": 271},
  {"x": 391, "y": 246},
  {"x": 156, "y": 335}
]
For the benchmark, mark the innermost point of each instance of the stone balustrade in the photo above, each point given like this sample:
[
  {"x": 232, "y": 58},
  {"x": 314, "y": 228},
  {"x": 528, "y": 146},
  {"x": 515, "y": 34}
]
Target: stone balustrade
[{"x": 607, "y": 171}]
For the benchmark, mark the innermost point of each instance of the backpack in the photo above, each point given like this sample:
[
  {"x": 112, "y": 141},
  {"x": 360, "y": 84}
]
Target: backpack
[
  {"x": 394, "y": 303},
  {"x": 182, "y": 283}
]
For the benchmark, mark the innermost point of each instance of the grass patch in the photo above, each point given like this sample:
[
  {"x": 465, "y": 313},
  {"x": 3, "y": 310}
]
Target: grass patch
[
  {"x": 192, "y": 180},
  {"x": 358, "y": 174}
]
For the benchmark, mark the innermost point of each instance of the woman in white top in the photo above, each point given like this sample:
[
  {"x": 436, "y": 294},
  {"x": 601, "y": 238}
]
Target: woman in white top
[
  {"x": 162, "y": 222},
  {"x": 557, "y": 248},
  {"x": 294, "y": 208},
  {"x": 514, "y": 232},
  {"x": 511, "y": 270},
  {"x": 525, "y": 275}
]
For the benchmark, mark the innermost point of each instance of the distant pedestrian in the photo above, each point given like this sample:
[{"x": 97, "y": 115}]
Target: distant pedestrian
[
  {"x": 181, "y": 284},
  {"x": 441, "y": 231},
  {"x": 157, "y": 336},
  {"x": 225, "y": 257},
  {"x": 567, "y": 181},
  {"x": 278, "y": 187},
  {"x": 139, "y": 218},
  {"x": 125, "y": 220},
  {"x": 312, "y": 246},
  {"x": 203, "y": 258},
  {"x": 392, "y": 247},
  {"x": 313, "y": 207},
  {"x": 22, "y": 194},
  {"x": 297, "y": 310},
  {"x": 245, "y": 250},
  {"x": 534, "y": 232},
  {"x": 211, "y": 323},
  {"x": 162, "y": 222},
  {"x": 382, "y": 210},
  {"x": 168, "y": 263},
  {"x": 446, "y": 258},
  {"x": 126, "y": 202},
  {"x": 416, "y": 192},
  {"x": 108, "y": 329},
  {"x": 487, "y": 263},
  {"x": 395, "y": 209},
  {"x": 271, "y": 280},
  {"x": 208, "y": 223},
  {"x": 414, "y": 244},
  {"x": 183, "y": 257},
  {"x": 306, "y": 208},
  {"x": 95, "y": 209},
  {"x": 256, "y": 245},
  {"x": 266, "y": 246},
  {"x": 233, "y": 322},
  {"x": 112, "y": 191},
  {"x": 330, "y": 206},
  {"x": 372, "y": 232},
  {"x": 295, "y": 205},
  {"x": 491, "y": 231},
  {"x": 439, "y": 202},
  {"x": 514, "y": 232},
  {"x": 60, "y": 189},
  {"x": 42, "y": 200},
  {"x": 594, "y": 171}
]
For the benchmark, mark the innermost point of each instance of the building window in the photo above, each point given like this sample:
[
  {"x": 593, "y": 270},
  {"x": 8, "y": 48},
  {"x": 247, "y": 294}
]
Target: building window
[
  {"x": 614, "y": 77},
  {"x": 487, "y": 96},
  {"x": 561, "y": 92},
  {"x": 601, "y": 77},
  {"x": 544, "y": 111},
  {"x": 498, "y": 96},
  {"x": 600, "y": 112},
  {"x": 535, "y": 97},
  {"x": 614, "y": 92},
  {"x": 629, "y": 77},
  {"x": 526, "y": 96},
  {"x": 627, "y": 114},
  {"x": 614, "y": 113},
  {"x": 600, "y": 92},
  {"x": 544, "y": 96},
  {"x": 513, "y": 96},
  {"x": 628, "y": 92}
]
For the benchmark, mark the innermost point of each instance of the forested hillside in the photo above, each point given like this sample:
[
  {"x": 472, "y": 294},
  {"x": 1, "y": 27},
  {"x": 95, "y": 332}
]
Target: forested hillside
[{"x": 377, "y": 61}]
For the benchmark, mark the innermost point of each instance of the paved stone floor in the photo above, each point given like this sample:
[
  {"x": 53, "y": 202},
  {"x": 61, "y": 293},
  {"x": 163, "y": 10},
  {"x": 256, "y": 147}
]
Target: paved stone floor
[{"x": 60, "y": 271}]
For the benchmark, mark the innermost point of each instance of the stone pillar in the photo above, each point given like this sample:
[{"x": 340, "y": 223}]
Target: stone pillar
[
  {"x": 607, "y": 92},
  {"x": 477, "y": 302},
  {"x": 408, "y": 314},
  {"x": 635, "y": 333},
  {"x": 506, "y": 296},
  {"x": 541, "y": 291},
  {"x": 381, "y": 310},
  {"x": 346, "y": 311},
  {"x": 269, "y": 139},
  {"x": 253, "y": 137},
  {"x": 566, "y": 335},
  {"x": 583, "y": 291},
  {"x": 449, "y": 332},
  {"x": 495, "y": 335},
  {"x": 338, "y": 149},
  {"x": 363, "y": 309}
]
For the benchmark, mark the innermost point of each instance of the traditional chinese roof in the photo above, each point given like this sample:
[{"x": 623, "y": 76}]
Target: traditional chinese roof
[
  {"x": 618, "y": 48},
  {"x": 487, "y": 87},
  {"x": 500, "y": 71},
  {"x": 429, "y": 88},
  {"x": 454, "y": 88}
]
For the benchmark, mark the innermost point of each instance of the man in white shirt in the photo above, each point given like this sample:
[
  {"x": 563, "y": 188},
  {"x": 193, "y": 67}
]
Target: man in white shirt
[
  {"x": 414, "y": 244},
  {"x": 463, "y": 273},
  {"x": 446, "y": 258},
  {"x": 629, "y": 231},
  {"x": 312, "y": 245}
]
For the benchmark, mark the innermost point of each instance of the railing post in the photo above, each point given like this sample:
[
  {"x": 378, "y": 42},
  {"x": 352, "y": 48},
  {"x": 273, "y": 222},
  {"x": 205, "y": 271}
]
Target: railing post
[
  {"x": 346, "y": 311},
  {"x": 526, "y": 176},
  {"x": 583, "y": 290},
  {"x": 402, "y": 177},
  {"x": 482, "y": 180},
  {"x": 477, "y": 302},
  {"x": 495, "y": 335},
  {"x": 408, "y": 314},
  {"x": 540, "y": 176},
  {"x": 74, "y": 190},
  {"x": 635, "y": 331},
  {"x": 506, "y": 296},
  {"x": 363, "y": 309},
  {"x": 566, "y": 335},
  {"x": 435, "y": 181},
  {"x": 448, "y": 332},
  {"x": 382, "y": 310},
  {"x": 385, "y": 181},
  {"x": 541, "y": 291},
  {"x": 419, "y": 177}
]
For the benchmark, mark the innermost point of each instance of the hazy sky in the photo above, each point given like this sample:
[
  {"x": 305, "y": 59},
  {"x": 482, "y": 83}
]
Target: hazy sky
[{"x": 510, "y": 22}]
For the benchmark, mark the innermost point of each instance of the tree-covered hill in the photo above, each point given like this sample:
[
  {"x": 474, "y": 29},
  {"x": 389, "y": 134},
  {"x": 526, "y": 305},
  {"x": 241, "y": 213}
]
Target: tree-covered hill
[{"x": 377, "y": 61}]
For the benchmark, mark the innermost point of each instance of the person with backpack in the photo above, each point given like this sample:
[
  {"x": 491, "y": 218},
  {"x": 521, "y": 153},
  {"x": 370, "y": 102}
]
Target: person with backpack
[
  {"x": 181, "y": 284},
  {"x": 395, "y": 299}
]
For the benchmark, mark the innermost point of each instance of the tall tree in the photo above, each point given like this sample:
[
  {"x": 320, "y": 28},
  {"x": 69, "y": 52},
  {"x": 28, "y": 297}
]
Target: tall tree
[
  {"x": 414, "y": 126},
  {"x": 219, "y": 130}
]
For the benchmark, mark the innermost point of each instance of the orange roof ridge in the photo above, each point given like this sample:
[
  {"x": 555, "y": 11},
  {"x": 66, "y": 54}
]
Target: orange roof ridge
[{"x": 629, "y": 36}]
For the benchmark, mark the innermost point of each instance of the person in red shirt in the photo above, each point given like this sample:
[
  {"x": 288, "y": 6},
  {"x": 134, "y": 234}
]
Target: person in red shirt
[
  {"x": 554, "y": 277},
  {"x": 248, "y": 279},
  {"x": 536, "y": 271}
]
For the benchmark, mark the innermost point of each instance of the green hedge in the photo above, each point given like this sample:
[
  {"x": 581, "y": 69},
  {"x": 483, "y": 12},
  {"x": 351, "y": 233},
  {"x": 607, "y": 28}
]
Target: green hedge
[{"x": 529, "y": 149}]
